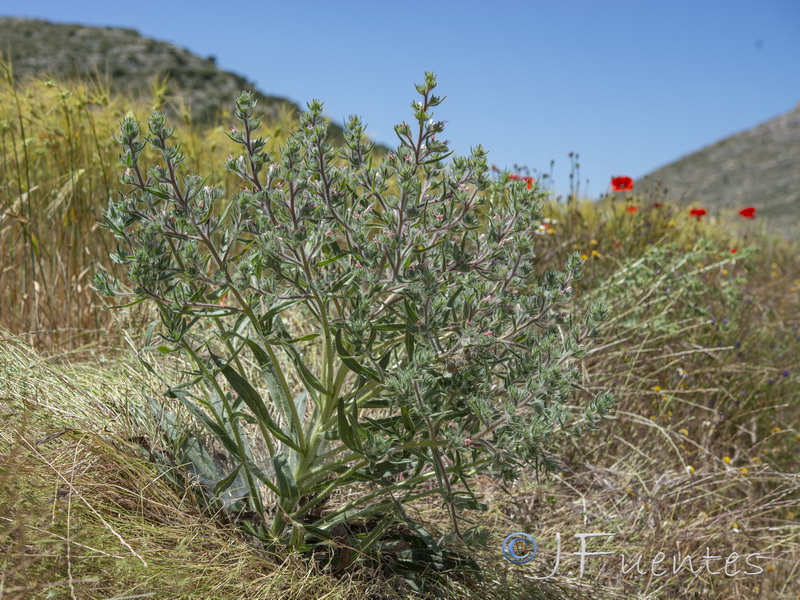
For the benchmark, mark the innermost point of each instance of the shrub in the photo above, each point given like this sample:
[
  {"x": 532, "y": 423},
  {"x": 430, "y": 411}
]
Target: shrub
[{"x": 378, "y": 327}]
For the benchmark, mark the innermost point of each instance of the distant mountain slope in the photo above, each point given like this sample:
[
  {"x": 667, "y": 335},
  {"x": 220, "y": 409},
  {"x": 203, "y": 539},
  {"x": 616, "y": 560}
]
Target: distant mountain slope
[
  {"x": 758, "y": 167},
  {"x": 130, "y": 61}
]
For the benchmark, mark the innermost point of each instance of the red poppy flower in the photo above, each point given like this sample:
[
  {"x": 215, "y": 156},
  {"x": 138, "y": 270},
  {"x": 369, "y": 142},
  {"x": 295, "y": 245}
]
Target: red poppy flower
[
  {"x": 748, "y": 213},
  {"x": 621, "y": 184},
  {"x": 698, "y": 212},
  {"x": 528, "y": 180},
  {"x": 631, "y": 209},
  {"x": 734, "y": 250}
]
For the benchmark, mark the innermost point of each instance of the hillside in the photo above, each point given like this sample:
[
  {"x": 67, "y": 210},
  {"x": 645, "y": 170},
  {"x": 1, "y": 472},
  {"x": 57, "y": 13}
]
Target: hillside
[
  {"x": 130, "y": 62},
  {"x": 758, "y": 167}
]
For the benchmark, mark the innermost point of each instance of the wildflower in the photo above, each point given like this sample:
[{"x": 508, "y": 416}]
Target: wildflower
[
  {"x": 776, "y": 430},
  {"x": 726, "y": 460},
  {"x": 689, "y": 469},
  {"x": 681, "y": 372},
  {"x": 683, "y": 431},
  {"x": 744, "y": 470},
  {"x": 584, "y": 257},
  {"x": 724, "y": 271},
  {"x": 748, "y": 213},
  {"x": 657, "y": 205},
  {"x": 671, "y": 224},
  {"x": 593, "y": 242},
  {"x": 621, "y": 184},
  {"x": 528, "y": 180},
  {"x": 657, "y": 388},
  {"x": 467, "y": 442},
  {"x": 595, "y": 253},
  {"x": 631, "y": 209},
  {"x": 697, "y": 212},
  {"x": 785, "y": 373},
  {"x": 734, "y": 250}
]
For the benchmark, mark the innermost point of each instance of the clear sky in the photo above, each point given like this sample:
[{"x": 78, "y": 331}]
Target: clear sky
[{"x": 629, "y": 85}]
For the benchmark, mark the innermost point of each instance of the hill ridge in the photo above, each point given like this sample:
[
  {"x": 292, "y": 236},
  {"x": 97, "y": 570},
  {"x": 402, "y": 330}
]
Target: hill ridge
[
  {"x": 759, "y": 166},
  {"x": 131, "y": 61}
]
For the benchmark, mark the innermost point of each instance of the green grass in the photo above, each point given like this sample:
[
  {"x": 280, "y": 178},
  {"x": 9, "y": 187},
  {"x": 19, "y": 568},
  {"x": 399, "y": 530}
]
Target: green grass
[{"x": 703, "y": 353}]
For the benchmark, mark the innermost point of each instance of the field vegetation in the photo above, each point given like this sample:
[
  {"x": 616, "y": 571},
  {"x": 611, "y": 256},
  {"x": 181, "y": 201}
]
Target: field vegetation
[{"x": 702, "y": 353}]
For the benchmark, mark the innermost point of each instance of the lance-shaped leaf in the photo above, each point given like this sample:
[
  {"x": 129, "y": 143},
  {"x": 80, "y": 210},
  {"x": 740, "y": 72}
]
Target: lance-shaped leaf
[
  {"x": 351, "y": 363},
  {"x": 255, "y": 403}
]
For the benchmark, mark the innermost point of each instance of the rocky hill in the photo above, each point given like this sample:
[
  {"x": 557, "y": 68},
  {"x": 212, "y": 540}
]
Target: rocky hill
[
  {"x": 129, "y": 62},
  {"x": 759, "y": 167}
]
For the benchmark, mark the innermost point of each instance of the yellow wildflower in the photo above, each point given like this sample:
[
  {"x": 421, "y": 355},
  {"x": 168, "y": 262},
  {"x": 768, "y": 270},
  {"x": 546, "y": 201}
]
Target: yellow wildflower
[
  {"x": 593, "y": 243},
  {"x": 744, "y": 470},
  {"x": 656, "y": 388},
  {"x": 726, "y": 460}
]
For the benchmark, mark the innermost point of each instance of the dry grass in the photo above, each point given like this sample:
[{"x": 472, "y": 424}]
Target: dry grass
[
  {"x": 58, "y": 168},
  {"x": 82, "y": 516}
]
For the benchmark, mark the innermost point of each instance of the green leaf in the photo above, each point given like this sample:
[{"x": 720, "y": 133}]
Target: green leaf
[
  {"x": 346, "y": 431},
  {"x": 224, "y": 484},
  {"x": 254, "y": 402},
  {"x": 351, "y": 363},
  {"x": 328, "y": 261},
  {"x": 286, "y": 482},
  {"x": 365, "y": 544}
]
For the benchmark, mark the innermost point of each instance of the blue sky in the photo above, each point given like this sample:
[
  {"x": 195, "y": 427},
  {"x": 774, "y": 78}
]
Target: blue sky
[{"x": 628, "y": 85}]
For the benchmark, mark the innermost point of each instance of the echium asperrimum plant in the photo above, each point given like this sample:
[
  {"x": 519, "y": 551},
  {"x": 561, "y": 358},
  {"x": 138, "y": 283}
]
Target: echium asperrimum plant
[{"x": 384, "y": 330}]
